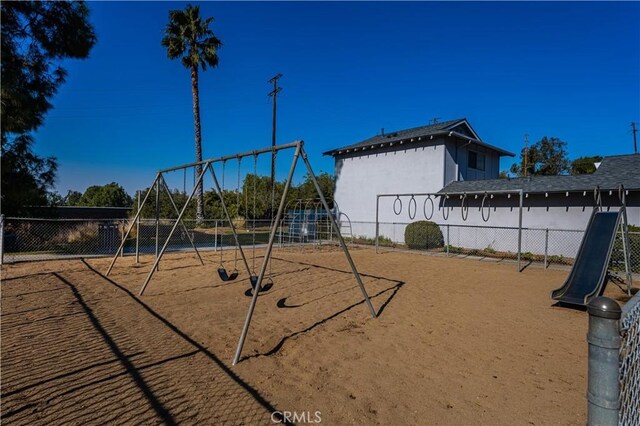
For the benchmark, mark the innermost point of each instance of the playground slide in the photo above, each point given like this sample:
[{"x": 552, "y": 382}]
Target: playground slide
[{"x": 589, "y": 272}]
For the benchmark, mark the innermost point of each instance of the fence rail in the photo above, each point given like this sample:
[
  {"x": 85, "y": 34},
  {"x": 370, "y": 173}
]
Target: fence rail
[
  {"x": 25, "y": 239},
  {"x": 545, "y": 245}
]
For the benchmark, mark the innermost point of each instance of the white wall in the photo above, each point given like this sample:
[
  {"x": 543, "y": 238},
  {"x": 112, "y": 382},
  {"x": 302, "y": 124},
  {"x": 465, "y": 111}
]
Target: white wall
[{"x": 360, "y": 177}]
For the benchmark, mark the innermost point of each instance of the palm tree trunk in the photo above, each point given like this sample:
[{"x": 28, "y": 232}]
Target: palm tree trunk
[{"x": 198, "y": 136}]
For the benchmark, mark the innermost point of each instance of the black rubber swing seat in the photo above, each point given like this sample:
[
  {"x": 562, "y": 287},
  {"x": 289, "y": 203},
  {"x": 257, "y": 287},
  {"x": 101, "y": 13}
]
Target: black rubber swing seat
[
  {"x": 224, "y": 276},
  {"x": 253, "y": 280}
]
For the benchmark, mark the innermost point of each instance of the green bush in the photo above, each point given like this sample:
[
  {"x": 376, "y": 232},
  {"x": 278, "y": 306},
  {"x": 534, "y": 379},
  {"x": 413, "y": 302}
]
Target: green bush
[{"x": 423, "y": 235}]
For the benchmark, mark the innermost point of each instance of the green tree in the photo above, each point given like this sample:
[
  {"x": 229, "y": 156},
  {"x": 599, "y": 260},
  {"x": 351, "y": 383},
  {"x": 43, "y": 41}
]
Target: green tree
[
  {"x": 36, "y": 37},
  {"x": 585, "y": 165},
  {"x": 109, "y": 195},
  {"x": 26, "y": 178},
  {"x": 73, "y": 198},
  {"x": 548, "y": 156},
  {"x": 188, "y": 37}
]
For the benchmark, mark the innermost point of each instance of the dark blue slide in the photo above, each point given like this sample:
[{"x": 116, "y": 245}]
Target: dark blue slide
[{"x": 589, "y": 272}]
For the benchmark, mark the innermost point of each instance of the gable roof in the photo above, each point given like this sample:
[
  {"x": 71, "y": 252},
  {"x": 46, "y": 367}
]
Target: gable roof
[
  {"x": 613, "y": 171},
  {"x": 417, "y": 134}
]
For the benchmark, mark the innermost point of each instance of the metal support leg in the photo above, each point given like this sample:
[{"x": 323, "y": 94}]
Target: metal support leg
[
  {"x": 157, "y": 221},
  {"x": 137, "y": 222},
  {"x": 626, "y": 249},
  {"x": 135, "y": 219},
  {"x": 184, "y": 228},
  {"x": 267, "y": 256},
  {"x": 175, "y": 225},
  {"x": 339, "y": 235}
]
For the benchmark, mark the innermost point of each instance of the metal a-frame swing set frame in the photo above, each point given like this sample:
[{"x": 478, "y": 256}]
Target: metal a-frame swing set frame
[{"x": 207, "y": 167}]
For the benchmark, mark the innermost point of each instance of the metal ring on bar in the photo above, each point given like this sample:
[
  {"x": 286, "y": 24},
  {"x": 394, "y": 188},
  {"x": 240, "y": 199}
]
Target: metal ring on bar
[
  {"x": 622, "y": 196},
  {"x": 424, "y": 208},
  {"x": 397, "y": 211},
  {"x": 464, "y": 208},
  {"x": 486, "y": 200},
  {"x": 444, "y": 207},
  {"x": 415, "y": 207}
]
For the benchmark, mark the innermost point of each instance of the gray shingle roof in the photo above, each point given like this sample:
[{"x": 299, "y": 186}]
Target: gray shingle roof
[
  {"x": 613, "y": 171},
  {"x": 413, "y": 135}
]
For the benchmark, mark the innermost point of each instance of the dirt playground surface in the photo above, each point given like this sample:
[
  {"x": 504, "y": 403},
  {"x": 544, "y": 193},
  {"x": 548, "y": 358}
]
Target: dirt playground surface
[{"x": 457, "y": 342}]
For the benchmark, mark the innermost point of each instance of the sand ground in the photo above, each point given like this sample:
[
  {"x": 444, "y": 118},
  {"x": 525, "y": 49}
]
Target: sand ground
[{"x": 457, "y": 341}]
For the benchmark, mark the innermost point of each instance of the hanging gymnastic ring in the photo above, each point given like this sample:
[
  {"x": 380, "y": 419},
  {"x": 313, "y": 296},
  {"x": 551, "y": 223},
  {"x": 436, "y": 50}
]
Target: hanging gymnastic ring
[
  {"x": 444, "y": 208},
  {"x": 622, "y": 196},
  {"x": 464, "y": 207},
  {"x": 488, "y": 204},
  {"x": 415, "y": 207},
  {"x": 397, "y": 211},
  {"x": 424, "y": 208}
]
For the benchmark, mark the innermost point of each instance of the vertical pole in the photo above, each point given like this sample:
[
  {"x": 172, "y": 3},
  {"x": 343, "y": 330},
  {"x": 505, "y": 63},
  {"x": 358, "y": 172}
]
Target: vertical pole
[
  {"x": 603, "y": 389},
  {"x": 157, "y": 218},
  {"x": 448, "y": 240},
  {"x": 626, "y": 249},
  {"x": 339, "y": 235},
  {"x": 546, "y": 247},
  {"x": 1, "y": 239},
  {"x": 137, "y": 222},
  {"x": 377, "y": 223},
  {"x": 520, "y": 230},
  {"x": 175, "y": 225},
  {"x": 113, "y": 261},
  {"x": 263, "y": 268}
]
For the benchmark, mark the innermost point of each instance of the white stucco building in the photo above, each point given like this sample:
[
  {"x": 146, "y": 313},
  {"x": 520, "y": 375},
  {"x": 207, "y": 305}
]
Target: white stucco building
[
  {"x": 421, "y": 159},
  {"x": 450, "y": 158}
]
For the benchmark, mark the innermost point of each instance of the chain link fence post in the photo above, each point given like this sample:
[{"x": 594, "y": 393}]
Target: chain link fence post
[
  {"x": 546, "y": 247},
  {"x": 1, "y": 239},
  {"x": 448, "y": 241},
  {"x": 603, "y": 391}
]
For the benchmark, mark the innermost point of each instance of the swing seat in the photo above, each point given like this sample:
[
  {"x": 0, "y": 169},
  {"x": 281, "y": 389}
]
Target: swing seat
[
  {"x": 253, "y": 279},
  {"x": 224, "y": 276}
]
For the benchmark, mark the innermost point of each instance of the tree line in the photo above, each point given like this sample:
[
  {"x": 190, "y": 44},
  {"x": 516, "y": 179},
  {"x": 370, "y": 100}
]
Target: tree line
[
  {"x": 549, "y": 156},
  {"x": 254, "y": 200}
]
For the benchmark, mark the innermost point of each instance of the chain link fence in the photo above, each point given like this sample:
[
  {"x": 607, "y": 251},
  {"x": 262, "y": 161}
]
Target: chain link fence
[
  {"x": 546, "y": 246},
  {"x": 31, "y": 239},
  {"x": 629, "y": 375},
  {"x": 43, "y": 239}
]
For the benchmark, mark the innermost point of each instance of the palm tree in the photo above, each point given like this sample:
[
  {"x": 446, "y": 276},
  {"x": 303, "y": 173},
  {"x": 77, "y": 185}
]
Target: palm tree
[{"x": 188, "y": 37}]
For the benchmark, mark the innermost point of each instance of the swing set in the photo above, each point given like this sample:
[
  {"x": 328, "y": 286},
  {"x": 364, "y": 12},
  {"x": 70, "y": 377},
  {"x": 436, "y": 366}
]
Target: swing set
[{"x": 257, "y": 280}]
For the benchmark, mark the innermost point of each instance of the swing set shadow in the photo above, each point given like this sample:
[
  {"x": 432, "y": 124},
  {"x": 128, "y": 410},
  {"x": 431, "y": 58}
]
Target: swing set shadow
[{"x": 256, "y": 280}]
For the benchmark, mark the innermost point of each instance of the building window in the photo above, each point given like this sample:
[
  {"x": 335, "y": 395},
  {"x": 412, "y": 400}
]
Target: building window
[{"x": 476, "y": 160}]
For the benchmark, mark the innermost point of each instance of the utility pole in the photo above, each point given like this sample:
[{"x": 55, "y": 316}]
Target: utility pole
[
  {"x": 526, "y": 153},
  {"x": 635, "y": 142},
  {"x": 274, "y": 95}
]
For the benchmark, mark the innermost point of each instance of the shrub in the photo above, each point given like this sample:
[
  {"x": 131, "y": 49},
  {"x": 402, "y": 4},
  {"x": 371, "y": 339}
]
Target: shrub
[{"x": 423, "y": 235}]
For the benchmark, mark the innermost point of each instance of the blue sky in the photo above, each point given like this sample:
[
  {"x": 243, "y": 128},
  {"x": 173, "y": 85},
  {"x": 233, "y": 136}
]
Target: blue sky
[{"x": 569, "y": 70}]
